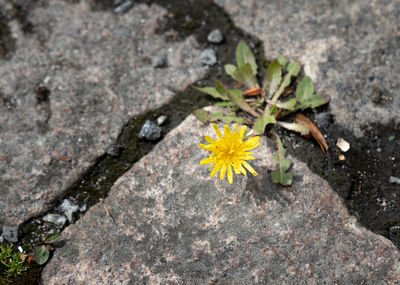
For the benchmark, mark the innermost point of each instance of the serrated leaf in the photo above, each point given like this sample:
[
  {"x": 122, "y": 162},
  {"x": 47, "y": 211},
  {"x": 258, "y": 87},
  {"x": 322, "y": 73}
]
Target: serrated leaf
[
  {"x": 244, "y": 55},
  {"x": 224, "y": 104},
  {"x": 306, "y": 97},
  {"x": 202, "y": 115},
  {"x": 52, "y": 238},
  {"x": 282, "y": 60},
  {"x": 292, "y": 69},
  {"x": 263, "y": 121},
  {"x": 281, "y": 175},
  {"x": 305, "y": 89},
  {"x": 273, "y": 78},
  {"x": 230, "y": 69},
  {"x": 244, "y": 75},
  {"x": 211, "y": 91},
  {"x": 300, "y": 128},
  {"x": 287, "y": 105},
  {"x": 236, "y": 97},
  {"x": 228, "y": 119},
  {"x": 41, "y": 255}
]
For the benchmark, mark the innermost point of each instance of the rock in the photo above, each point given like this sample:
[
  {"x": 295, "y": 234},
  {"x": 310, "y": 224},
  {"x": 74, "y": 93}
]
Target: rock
[
  {"x": 394, "y": 180},
  {"x": 98, "y": 83},
  {"x": 170, "y": 222},
  {"x": 208, "y": 57},
  {"x": 161, "y": 120},
  {"x": 10, "y": 233},
  {"x": 69, "y": 209},
  {"x": 58, "y": 220},
  {"x": 215, "y": 36},
  {"x": 150, "y": 131},
  {"x": 1, "y": 239},
  {"x": 160, "y": 61},
  {"x": 346, "y": 48}
]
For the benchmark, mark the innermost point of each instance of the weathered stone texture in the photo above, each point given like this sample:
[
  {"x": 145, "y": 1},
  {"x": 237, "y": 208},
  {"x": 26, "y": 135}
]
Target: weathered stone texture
[
  {"x": 167, "y": 222},
  {"x": 97, "y": 67},
  {"x": 351, "y": 49}
]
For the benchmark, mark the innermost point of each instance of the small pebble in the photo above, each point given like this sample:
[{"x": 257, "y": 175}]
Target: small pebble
[
  {"x": 342, "y": 157},
  {"x": 159, "y": 61},
  {"x": 161, "y": 120},
  {"x": 394, "y": 180},
  {"x": 323, "y": 120},
  {"x": 20, "y": 249},
  {"x": 215, "y": 36},
  {"x": 379, "y": 149},
  {"x": 56, "y": 219},
  {"x": 69, "y": 208},
  {"x": 208, "y": 57},
  {"x": 343, "y": 145},
  {"x": 150, "y": 131},
  {"x": 1, "y": 239},
  {"x": 123, "y": 7},
  {"x": 114, "y": 150}
]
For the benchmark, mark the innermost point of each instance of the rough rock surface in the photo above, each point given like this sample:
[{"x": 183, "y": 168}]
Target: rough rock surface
[
  {"x": 170, "y": 223},
  {"x": 95, "y": 65},
  {"x": 350, "y": 49}
]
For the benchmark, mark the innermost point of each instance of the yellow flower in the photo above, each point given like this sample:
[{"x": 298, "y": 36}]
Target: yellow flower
[{"x": 229, "y": 151}]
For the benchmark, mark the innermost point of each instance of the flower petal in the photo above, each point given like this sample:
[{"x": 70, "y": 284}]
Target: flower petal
[
  {"x": 230, "y": 175},
  {"x": 207, "y": 160},
  {"x": 217, "y": 130},
  {"x": 217, "y": 167},
  {"x": 251, "y": 169},
  {"x": 222, "y": 172},
  {"x": 241, "y": 133},
  {"x": 209, "y": 139}
]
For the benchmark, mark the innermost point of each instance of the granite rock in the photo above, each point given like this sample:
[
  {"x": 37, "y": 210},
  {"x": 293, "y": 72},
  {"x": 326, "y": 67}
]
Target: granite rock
[
  {"x": 171, "y": 223},
  {"x": 93, "y": 65},
  {"x": 351, "y": 50}
]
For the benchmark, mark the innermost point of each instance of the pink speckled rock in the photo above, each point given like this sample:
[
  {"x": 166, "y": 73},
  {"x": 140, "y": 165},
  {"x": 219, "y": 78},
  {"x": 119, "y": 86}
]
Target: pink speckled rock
[
  {"x": 94, "y": 65},
  {"x": 351, "y": 49},
  {"x": 167, "y": 222}
]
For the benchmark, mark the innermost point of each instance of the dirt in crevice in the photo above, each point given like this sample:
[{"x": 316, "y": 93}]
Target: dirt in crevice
[{"x": 362, "y": 180}]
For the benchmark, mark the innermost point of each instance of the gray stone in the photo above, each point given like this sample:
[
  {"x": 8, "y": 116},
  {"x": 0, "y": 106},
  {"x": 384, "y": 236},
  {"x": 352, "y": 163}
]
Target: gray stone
[
  {"x": 69, "y": 209},
  {"x": 92, "y": 64},
  {"x": 215, "y": 36},
  {"x": 394, "y": 180},
  {"x": 150, "y": 131},
  {"x": 160, "y": 61},
  {"x": 1, "y": 239},
  {"x": 170, "y": 222},
  {"x": 10, "y": 233},
  {"x": 208, "y": 57},
  {"x": 58, "y": 220},
  {"x": 348, "y": 48},
  {"x": 114, "y": 150}
]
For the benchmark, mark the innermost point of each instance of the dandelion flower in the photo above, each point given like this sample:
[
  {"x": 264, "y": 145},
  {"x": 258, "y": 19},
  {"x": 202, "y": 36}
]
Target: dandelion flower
[{"x": 230, "y": 151}]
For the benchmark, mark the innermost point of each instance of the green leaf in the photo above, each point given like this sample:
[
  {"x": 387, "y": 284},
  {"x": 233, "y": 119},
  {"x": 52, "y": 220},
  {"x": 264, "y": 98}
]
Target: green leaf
[
  {"x": 263, "y": 121},
  {"x": 305, "y": 89},
  {"x": 287, "y": 105},
  {"x": 230, "y": 69},
  {"x": 202, "y": 115},
  {"x": 244, "y": 55},
  {"x": 236, "y": 97},
  {"x": 41, "y": 255},
  {"x": 281, "y": 175},
  {"x": 292, "y": 69},
  {"x": 273, "y": 78},
  {"x": 211, "y": 91},
  {"x": 244, "y": 75},
  {"x": 282, "y": 60},
  {"x": 300, "y": 128},
  {"x": 226, "y": 119},
  {"x": 224, "y": 104},
  {"x": 52, "y": 238},
  {"x": 391, "y": 138},
  {"x": 306, "y": 97}
]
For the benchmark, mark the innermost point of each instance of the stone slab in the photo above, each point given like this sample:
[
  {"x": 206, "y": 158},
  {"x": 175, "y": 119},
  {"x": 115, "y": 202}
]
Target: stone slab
[
  {"x": 166, "y": 221},
  {"x": 97, "y": 68},
  {"x": 351, "y": 50}
]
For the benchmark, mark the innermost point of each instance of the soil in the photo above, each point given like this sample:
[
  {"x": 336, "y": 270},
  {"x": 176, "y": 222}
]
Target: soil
[{"x": 362, "y": 179}]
